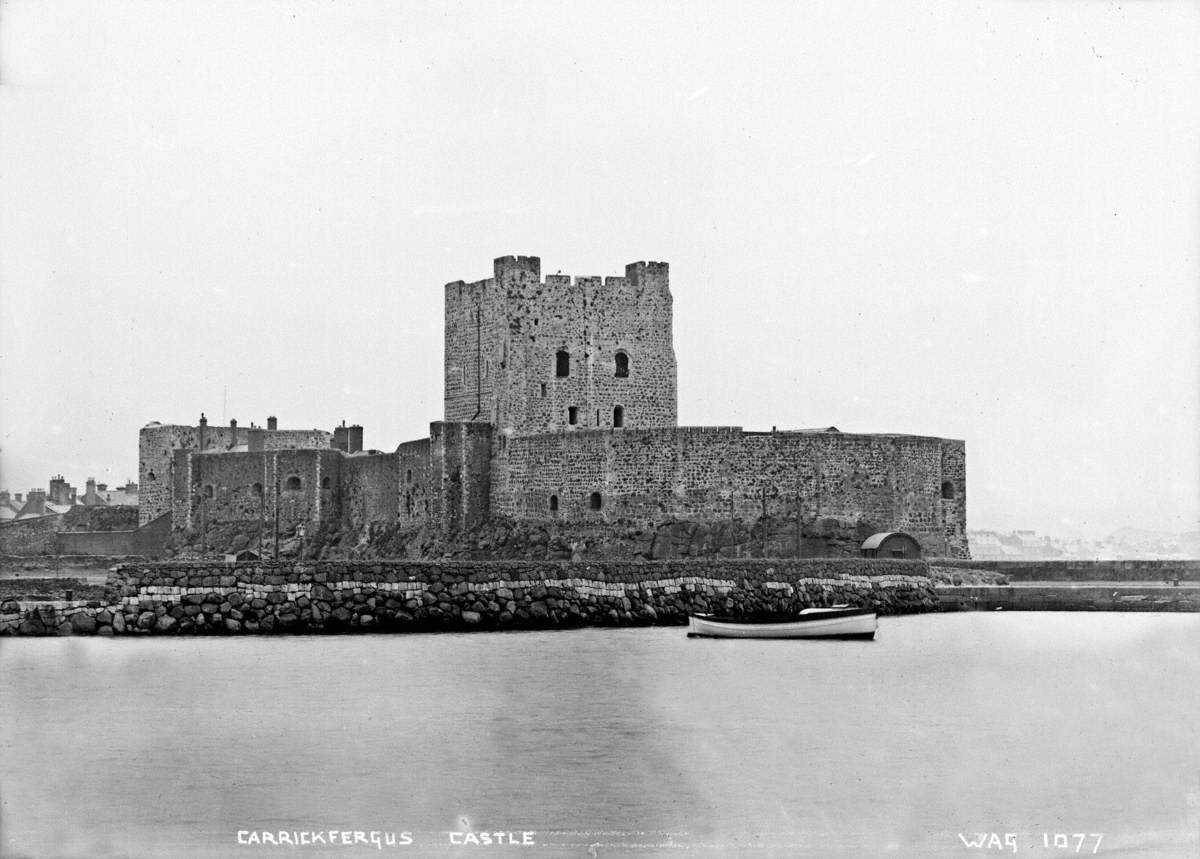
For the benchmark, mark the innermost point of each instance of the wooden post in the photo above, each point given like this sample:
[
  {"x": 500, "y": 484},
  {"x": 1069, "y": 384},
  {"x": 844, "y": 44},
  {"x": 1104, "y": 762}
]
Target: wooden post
[
  {"x": 277, "y": 512},
  {"x": 799, "y": 532}
]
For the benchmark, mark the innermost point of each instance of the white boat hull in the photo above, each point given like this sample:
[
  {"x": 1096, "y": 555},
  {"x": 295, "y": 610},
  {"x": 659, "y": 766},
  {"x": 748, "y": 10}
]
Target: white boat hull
[{"x": 811, "y": 623}]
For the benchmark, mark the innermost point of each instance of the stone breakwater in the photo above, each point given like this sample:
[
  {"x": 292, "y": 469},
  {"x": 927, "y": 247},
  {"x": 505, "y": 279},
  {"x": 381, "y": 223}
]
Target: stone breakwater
[{"x": 397, "y": 596}]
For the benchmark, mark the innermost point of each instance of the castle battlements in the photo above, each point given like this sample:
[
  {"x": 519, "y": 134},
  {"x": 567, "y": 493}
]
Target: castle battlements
[{"x": 527, "y": 269}]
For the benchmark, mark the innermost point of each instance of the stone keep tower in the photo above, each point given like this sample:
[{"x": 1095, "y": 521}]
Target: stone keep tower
[{"x": 531, "y": 356}]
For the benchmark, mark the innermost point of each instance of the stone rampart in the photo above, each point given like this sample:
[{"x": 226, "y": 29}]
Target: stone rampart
[
  {"x": 914, "y": 484},
  {"x": 208, "y": 598}
]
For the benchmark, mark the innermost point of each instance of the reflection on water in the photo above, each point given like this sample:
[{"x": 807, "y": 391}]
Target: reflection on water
[{"x": 640, "y": 741}]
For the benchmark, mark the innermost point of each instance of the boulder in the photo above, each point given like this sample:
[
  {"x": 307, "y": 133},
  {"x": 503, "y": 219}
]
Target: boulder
[
  {"x": 118, "y": 622},
  {"x": 146, "y": 620},
  {"x": 83, "y": 623},
  {"x": 471, "y": 617},
  {"x": 165, "y": 623}
]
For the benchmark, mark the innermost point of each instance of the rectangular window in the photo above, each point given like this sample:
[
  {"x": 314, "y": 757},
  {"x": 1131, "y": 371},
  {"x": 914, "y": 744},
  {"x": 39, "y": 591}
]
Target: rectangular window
[{"x": 572, "y": 415}]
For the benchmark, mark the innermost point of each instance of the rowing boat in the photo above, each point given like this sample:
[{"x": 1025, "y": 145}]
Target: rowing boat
[{"x": 835, "y": 622}]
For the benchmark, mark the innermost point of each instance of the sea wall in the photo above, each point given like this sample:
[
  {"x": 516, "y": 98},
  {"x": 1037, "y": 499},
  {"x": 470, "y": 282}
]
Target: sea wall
[
  {"x": 211, "y": 598},
  {"x": 1081, "y": 571},
  {"x": 1035, "y": 597}
]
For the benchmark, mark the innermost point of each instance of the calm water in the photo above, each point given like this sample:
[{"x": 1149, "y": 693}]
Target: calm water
[{"x": 640, "y": 741}]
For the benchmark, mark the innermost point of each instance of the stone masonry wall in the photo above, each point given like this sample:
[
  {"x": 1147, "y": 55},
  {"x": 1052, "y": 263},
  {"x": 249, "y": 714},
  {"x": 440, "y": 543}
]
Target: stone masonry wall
[
  {"x": 30, "y": 536},
  {"x": 503, "y": 334},
  {"x": 103, "y": 543},
  {"x": 412, "y": 466},
  {"x": 715, "y": 474},
  {"x": 157, "y": 444},
  {"x": 208, "y": 598},
  {"x": 369, "y": 490},
  {"x": 1084, "y": 571},
  {"x": 248, "y": 487},
  {"x": 459, "y": 466}
]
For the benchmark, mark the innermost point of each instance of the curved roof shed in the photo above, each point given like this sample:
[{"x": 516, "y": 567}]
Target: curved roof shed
[{"x": 891, "y": 544}]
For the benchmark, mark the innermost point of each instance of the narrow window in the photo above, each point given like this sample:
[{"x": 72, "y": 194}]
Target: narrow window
[
  {"x": 150, "y": 476},
  {"x": 597, "y": 417},
  {"x": 948, "y": 489},
  {"x": 257, "y": 490},
  {"x": 596, "y": 501},
  {"x": 622, "y": 362},
  {"x": 324, "y": 482},
  {"x": 618, "y": 416},
  {"x": 572, "y": 415},
  {"x": 553, "y": 503},
  {"x": 208, "y": 490},
  {"x": 543, "y": 390},
  {"x": 293, "y": 484},
  {"x": 408, "y": 476},
  {"x": 562, "y": 363}
]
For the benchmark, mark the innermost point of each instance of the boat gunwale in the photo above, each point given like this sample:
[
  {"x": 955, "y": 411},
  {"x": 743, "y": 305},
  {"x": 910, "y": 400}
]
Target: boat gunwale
[{"x": 832, "y": 614}]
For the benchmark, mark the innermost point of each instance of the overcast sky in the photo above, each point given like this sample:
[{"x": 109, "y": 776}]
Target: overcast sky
[{"x": 971, "y": 220}]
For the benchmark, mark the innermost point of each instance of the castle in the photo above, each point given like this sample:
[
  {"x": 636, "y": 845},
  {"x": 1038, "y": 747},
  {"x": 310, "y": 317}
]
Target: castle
[{"x": 560, "y": 407}]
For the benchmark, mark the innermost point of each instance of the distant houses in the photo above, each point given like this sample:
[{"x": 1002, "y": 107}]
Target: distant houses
[{"x": 61, "y": 496}]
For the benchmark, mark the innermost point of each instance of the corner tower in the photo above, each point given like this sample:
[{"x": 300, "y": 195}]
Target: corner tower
[{"x": 561, "y": 354}]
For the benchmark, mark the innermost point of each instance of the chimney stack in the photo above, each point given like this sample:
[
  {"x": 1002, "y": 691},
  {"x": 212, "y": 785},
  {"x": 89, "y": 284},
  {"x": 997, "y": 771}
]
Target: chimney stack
[
  {"x": 341, "y": 437},
  {"x": 354, "y": 440},
  {"x": 272, "y": 423}
]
